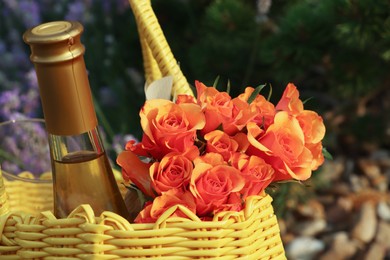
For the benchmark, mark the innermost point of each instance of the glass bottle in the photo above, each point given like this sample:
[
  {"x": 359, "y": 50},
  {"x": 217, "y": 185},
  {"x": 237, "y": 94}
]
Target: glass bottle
[{"x": 81, "y": 170}]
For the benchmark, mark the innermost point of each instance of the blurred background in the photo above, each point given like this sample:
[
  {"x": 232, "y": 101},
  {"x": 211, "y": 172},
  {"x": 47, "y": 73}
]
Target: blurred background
[{"x": 337, "y": 52}]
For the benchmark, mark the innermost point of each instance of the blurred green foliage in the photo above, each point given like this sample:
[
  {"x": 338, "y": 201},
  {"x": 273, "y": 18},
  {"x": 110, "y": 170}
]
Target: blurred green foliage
[{"x": 335, "y": 51}]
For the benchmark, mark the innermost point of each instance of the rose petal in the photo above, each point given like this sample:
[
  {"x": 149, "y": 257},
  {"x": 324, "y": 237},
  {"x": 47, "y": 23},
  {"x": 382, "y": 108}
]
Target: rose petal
[{"x": 135, "y": 170}]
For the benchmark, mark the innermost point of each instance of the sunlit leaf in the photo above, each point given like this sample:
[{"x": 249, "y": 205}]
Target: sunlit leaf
[{"x": 159, "y": 89}]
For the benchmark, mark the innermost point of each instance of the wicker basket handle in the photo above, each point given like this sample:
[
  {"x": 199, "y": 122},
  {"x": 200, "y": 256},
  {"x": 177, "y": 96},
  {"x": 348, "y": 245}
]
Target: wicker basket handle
[{"x": 157, "y": 55}]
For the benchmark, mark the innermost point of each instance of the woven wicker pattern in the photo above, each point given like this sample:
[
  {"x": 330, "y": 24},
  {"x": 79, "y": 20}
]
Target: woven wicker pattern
[
  {"x": 250, "y": 234},
  {"x": 30, "y": 196},
  {"x": 33, "y": 196},
  {"x": 4, "y": 201},
  {"x": 157, "y": 55}
]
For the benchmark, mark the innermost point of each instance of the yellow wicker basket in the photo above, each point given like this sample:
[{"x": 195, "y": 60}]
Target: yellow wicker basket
[{"x": 252, "y": 233}]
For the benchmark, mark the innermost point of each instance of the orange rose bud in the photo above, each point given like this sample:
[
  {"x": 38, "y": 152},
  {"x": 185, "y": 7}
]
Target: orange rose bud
[
  {"x": 264, "y": 111},
  {"x": 290, "y": 101},
  {"x": 241, "y": 115},
  {"x": 217, "y": 106}
]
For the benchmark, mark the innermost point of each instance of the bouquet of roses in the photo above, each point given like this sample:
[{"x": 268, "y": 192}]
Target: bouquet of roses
[{"x": 211, "y": 152}]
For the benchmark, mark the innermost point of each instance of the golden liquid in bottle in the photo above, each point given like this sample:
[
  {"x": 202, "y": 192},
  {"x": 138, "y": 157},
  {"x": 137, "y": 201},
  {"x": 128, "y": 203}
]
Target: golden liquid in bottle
[{"x": 86, "y": 178}]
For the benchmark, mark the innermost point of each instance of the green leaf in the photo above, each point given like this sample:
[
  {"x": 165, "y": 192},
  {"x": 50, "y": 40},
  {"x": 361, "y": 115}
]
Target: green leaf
[
  {"x": 306, "y": 100},
  {"x": 270, "y": 93},
  {"x": 216, "y": 82},
  {"x": 228, "y": 87},
  {"x": 327, "y": 154},
  {"x": 288, "y": 181},
  {"x": 255, "y": 93}
]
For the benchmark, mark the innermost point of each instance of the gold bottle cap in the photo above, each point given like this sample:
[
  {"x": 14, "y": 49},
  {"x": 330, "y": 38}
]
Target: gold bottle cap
[
  {"x": 57, "y": 53},
  {"x": 55, "y": 41}
]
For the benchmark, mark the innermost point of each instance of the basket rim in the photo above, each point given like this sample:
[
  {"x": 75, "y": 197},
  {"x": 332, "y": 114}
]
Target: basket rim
[
  {"x": 22, "y": 120},
  {"x": 9, "y": 177},
  {"x": 260, "y": 203}
]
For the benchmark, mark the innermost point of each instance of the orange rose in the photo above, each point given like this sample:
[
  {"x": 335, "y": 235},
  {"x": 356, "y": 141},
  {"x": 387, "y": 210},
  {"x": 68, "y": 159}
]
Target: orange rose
[
  {"x": 173, "y": 172},
  {"x": 171, "y": 198},
  {"x": 263, "y": 109},
  {"x": 212, "y": 185},
  {"x": 257, "y": 173},
  {"x": 221, "y": 109},
  {"x": 283, "y": 147},
  {"x": 312, "y": 126},
  {"x": 220, "y": 142},
  {"x": 136, "y": 171},
  {"x": 241, "y": 115},
  {"x": 217, "y": 106},
  {"x": 170, "y": 127},
  {"x": 290, "y": 101}
]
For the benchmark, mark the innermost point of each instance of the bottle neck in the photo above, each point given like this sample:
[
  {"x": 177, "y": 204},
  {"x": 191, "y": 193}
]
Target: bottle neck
[
  {"x": 57, "y": 54},
  {"x": 87, "y": 144},
  {"x": 66, "y": 97}
]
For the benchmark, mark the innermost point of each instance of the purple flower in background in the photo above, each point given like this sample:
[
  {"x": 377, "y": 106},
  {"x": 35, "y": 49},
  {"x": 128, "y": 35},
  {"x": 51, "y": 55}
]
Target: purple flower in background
[
  {"x": 2, "y": 47},
  {"x": 107, "y": 97},
  {"x": 9, "y": 103},
  {"x": 30, "y": 13},
  {"x": 122, "y": 5},
  {"x": 76, "y": 11},
  {"x": 30, "y": 99},
  {"x": 24, "y": 147},
  {"x": 118, "y": 6},
  {"x": 19, "y": 57},
  {"x": 26, "y": 10},
  {"x": 31, "y": 78},
  {"x": 15, "y": 102},
  {"x": 11, "y": 4}
]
